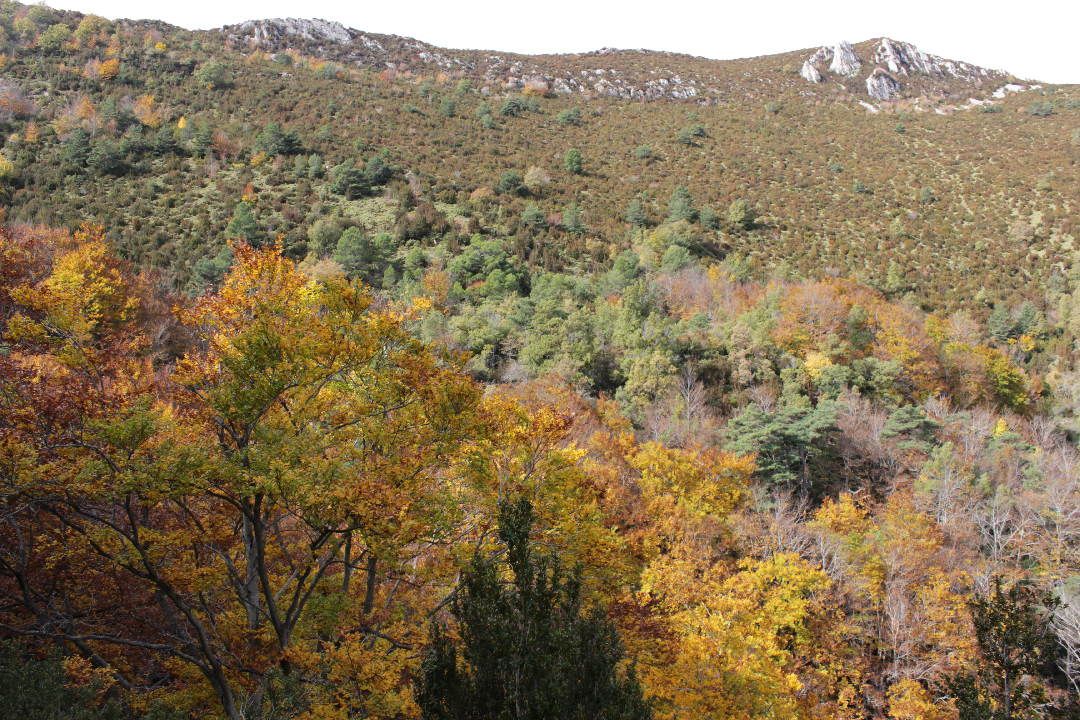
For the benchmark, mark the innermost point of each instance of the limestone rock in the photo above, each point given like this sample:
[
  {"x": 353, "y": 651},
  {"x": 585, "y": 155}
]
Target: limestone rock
[
  {"x": 880, "y": 85},
  {"x": 810, "y": 73},
  {"x": 844, "y": 60}
]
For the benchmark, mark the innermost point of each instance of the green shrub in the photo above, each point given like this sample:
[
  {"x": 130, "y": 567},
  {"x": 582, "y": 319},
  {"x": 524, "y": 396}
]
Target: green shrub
[
  {"x": 691, "y": 134},
  {"x": 570, "y": 116},
  {"x": 572, "y": 161},
  {"x": 215, "y": 74},
  {"x": 1043, "y": 108},
  {"x": 681, "y": 205},
  {"x": 510, "y": 183}
]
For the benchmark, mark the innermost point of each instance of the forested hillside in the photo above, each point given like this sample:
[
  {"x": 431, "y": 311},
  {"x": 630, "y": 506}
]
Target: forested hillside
[{"x": 346, "y": 377}]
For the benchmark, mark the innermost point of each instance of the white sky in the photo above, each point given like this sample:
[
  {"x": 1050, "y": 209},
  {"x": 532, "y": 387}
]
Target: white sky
[{"x": 1033, "y": 39}]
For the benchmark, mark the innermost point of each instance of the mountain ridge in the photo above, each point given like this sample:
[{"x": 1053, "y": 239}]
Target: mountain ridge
[{"x": 885, "y": 69}]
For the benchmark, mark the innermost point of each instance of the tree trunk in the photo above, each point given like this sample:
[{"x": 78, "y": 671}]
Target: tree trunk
[{"x": 369, "y": 594}]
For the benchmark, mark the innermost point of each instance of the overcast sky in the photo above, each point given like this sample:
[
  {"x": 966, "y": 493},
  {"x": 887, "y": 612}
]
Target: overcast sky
[{"x": 1033, "y": 39}]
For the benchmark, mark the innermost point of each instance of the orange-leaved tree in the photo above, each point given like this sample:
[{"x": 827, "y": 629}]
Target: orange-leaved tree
[{"x": 201, "y": 526}]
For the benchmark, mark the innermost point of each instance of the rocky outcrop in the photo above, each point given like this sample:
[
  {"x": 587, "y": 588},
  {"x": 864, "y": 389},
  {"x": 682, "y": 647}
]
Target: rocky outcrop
[
  {"x": 810, "y": 73},
  {"x": 901, "y": 58},
  {"x": 880, "y": 85},
  {"x": 269, "y": 34},
  {"x": 844, "y": 60},
  {"x": 840, "y": 59},
  {"x": 890, "y": 60}
]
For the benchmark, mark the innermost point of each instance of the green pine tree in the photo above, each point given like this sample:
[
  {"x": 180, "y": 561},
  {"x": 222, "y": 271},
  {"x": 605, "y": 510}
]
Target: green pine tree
[
  {"x": 635, "y": 213},
  {"x": 1016, "y": 648},
  {"x": 681, "y": 205},
  {"x": 572, "y": 161},
  {"x": 529, "y": 649},
  {"x": 243, "y": 225},
  {"x": 794, "y": 444}
]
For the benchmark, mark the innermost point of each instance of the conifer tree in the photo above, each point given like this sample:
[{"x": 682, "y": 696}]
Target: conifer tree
[{"x": 529, "y": 649}]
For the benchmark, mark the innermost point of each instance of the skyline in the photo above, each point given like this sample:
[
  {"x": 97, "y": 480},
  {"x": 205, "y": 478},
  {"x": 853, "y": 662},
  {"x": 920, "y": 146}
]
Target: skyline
[{"x": 1027, "y": 45}]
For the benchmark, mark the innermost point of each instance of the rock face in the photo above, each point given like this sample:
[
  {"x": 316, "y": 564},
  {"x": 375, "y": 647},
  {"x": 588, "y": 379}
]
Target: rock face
[
  {"x": 841, "y": 60},
  {"x": 880, "y": 85},
  {"x": 901, "y": 58},
  {"x": 844, "y": 60},
  {"x": 810, "y": 73},
  {"x": 890, "y": 60},
  {"x": 268, "y": 33}
]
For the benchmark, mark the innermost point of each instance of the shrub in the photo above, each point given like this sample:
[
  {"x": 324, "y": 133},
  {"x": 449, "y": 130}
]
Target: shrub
[
  {"x": 514, "y": 106},
  {"x": 740, "y": 214},
  {"x": 570, "y": 116},
  {"x": 572, "y": 161},
  {"x": 536, "y": 180},
  {"x": 571, "y": 220},
  {"x": 7, "y": 169},
  {"x": 709, "y": 218},
  {"x": 215, "y": 74},
  {"x": 681, "y": 205},
  {"x": 533, "y": 216},
  {"x": 510, "y": 183},
  {"x": 1043, "y": 108},
  {"x": 423, "y": 221},
  {"x": 691, "y": 134}
]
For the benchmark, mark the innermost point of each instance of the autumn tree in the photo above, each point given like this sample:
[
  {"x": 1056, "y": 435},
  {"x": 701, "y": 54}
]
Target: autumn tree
[{"x": 300, "y": 440}]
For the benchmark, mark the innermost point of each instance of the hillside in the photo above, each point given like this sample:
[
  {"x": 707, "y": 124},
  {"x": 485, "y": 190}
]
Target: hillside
[
  {"x": 966, "y": 203},
  {"x": 345, "y": 376}
]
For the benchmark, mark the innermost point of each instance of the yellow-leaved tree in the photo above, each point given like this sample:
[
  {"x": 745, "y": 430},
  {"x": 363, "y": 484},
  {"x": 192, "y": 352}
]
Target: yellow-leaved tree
[{"x": 208, "y": 524}]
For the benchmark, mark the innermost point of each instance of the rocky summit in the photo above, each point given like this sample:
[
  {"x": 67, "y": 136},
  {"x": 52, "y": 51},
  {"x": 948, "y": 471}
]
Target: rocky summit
[{"x": 887, "y": 61}]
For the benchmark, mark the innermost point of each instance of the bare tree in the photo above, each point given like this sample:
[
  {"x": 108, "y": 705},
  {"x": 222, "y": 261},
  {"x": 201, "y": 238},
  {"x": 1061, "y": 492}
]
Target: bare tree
[{"x": 1066, "y": 625}]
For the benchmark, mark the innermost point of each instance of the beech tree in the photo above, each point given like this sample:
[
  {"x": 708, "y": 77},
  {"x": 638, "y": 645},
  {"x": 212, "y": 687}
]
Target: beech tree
[{"x": 303, "y": 439}]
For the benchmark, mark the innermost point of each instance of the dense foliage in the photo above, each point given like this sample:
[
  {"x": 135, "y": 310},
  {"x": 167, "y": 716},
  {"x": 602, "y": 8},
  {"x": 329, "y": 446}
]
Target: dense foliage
[{"x": 346, "y": 393}]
